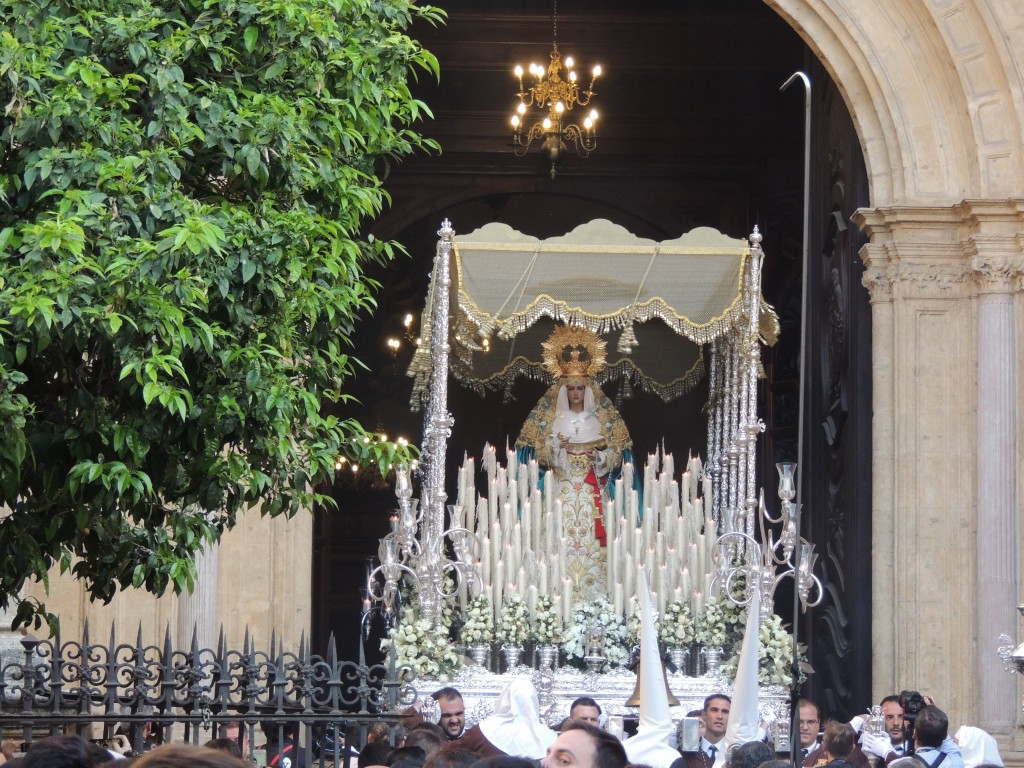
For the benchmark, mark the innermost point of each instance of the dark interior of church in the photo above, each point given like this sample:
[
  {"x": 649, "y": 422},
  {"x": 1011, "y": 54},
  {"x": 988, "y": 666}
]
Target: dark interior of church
[{"x": 693, "y": 131}]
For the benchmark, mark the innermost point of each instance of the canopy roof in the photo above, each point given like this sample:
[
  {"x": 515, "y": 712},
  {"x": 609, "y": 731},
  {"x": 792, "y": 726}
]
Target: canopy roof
[{"x": 656, "y": 303}]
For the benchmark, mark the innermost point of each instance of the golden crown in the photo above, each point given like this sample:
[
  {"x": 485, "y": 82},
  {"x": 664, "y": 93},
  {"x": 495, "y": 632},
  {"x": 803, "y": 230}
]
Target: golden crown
[{"x": 571, "y": 351}]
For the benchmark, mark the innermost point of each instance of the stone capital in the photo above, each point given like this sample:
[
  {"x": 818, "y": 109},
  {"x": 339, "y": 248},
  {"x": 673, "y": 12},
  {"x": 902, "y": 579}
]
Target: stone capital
[{"x": 974, "y": 246}]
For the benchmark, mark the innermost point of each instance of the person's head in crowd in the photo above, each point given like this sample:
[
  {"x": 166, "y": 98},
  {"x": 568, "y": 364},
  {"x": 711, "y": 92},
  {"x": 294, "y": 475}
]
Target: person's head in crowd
[
  {"x": 892, "y": 715},
  {"x": 427, "y": 736},
  {"x": 235, "y": 731},
  {"x": 777, "y": 764},
  {"x": 452, "y": 758},
  {"x": 399, "y": 731},
  {"x": 406, "y": 757},
  {"x": 585, "y": 710},
  {"x": 99, "y": 755},
  {"x": 452, "y": 718},
  {"x": 716, "y": 716},
  {"x": 379, "y": 731},
  {"x": 749, "y": 755},
  {"x": 581, "y": 745},
  {"x": 838, "y": 740},
  {"x": 810, "y": 722},
  {"x": 930, "y": 727},
  {"x": 905, "y": 762},
  {"x": 374, "y": 753},
  {"x": 503, "y": 761},
  {"x": 58, "y": 752},
  {"x": 187, "y": 756},
  {"x": 225, "y": 745},
  {"x": 279, "y": 732}
]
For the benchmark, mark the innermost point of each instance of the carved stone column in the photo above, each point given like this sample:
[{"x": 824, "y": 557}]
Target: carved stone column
[
  {"x": 924, "y": 448},
  {"x": 198, "y": 609},
  {"x": 997, "y": 261}
]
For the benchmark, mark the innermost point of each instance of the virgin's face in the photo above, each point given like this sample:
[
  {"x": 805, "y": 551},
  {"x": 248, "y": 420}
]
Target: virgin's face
[{"x": 575, "y": 394}]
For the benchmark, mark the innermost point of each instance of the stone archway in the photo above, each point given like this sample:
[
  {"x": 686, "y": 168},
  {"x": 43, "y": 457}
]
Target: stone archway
[{"x": 935, "y": 93}]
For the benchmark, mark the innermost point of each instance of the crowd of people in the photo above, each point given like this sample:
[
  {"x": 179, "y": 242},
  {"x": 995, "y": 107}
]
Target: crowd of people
[{"x": 514, "y": 736}]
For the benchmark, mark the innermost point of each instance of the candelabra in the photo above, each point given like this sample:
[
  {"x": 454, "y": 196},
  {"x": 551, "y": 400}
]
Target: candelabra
[
  {"x": 418, "y": 545},
  {"x": 765, "y": 563},
  {"x": 1013, "y": 657}
]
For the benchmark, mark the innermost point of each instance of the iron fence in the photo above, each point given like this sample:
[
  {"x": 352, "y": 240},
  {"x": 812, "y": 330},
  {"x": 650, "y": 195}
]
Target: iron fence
[{"x": 317, "y": 704}]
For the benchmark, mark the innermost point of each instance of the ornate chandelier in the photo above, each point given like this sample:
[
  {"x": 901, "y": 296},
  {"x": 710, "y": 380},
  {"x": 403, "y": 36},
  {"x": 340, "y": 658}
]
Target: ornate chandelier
[{"x": 554, "y": 93}]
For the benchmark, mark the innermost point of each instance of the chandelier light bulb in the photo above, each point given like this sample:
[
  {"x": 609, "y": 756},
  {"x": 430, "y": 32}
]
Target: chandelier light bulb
[
  {"x": 535, "y": 69},
  {"x": 559, "y": 107},
  {"x": 597, "y": 70},
  {"x": 572, "y": 76},
  {"x": 588, "y": 123},
  {"x": 568, "y": 62},
  {"x": 593, "y": 115},
  {"x": 547, "y": 123},
  {"x": 519, "y": 71},
  {"x": 515, "y": 121},
  {"x": 521, "y": 108}
]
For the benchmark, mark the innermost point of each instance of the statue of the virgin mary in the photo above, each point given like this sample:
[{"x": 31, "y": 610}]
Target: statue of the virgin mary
[{"x": 576, "y": 432}]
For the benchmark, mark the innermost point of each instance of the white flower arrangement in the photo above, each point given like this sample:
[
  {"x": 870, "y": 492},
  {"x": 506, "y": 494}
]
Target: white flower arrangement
[
  {"x": 775, "y": 658},
  {"x": 714, "y": 628},
  {"x": 479, "y": 625},
  {"x": 677, "y": 625},
  {"x": 428, "y": 652},
  {"x": 634, "y": 624},
  {"x": 598, "y": 612},
  {"x": 513, "y": 621},
  {"x": 547, "y": 626}
]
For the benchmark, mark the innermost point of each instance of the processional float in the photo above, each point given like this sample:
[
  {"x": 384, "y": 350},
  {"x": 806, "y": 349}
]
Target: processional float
[{"x": 673, "y": 312}]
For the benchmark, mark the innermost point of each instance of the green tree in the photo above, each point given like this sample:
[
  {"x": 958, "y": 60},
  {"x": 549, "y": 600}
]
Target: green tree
[{"x": 182, "y": 191}]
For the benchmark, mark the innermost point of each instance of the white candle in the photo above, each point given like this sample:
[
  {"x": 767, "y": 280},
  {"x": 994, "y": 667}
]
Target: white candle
[
  {"x": 492, "y": 500},
  {"x": 517, "y": 545},
  {"x": 617, "y": 601},
  {"x": 526, "y": 521},
  {"x": 498, "y": 584},
  {"x": 567, "y": 602},
  {"x": 628, "y": 572},
  {"x": 609, "y": 521},
  {"x": 521, "y": 583},
  {"x": 483, "y": 518},
  {"x": 470, "y": 481},
  {"x": 531, "y": 602},
  {"x": 538, "y": 520},
  {"x": 496, "y": 545},
  {"x": 698, "y": 603},
  {"x": 470, "y": 507},
  {"x": 549, "y": 490},
  {"x": 484, "y": 546},
  {"x": 542, "y": 577}
]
